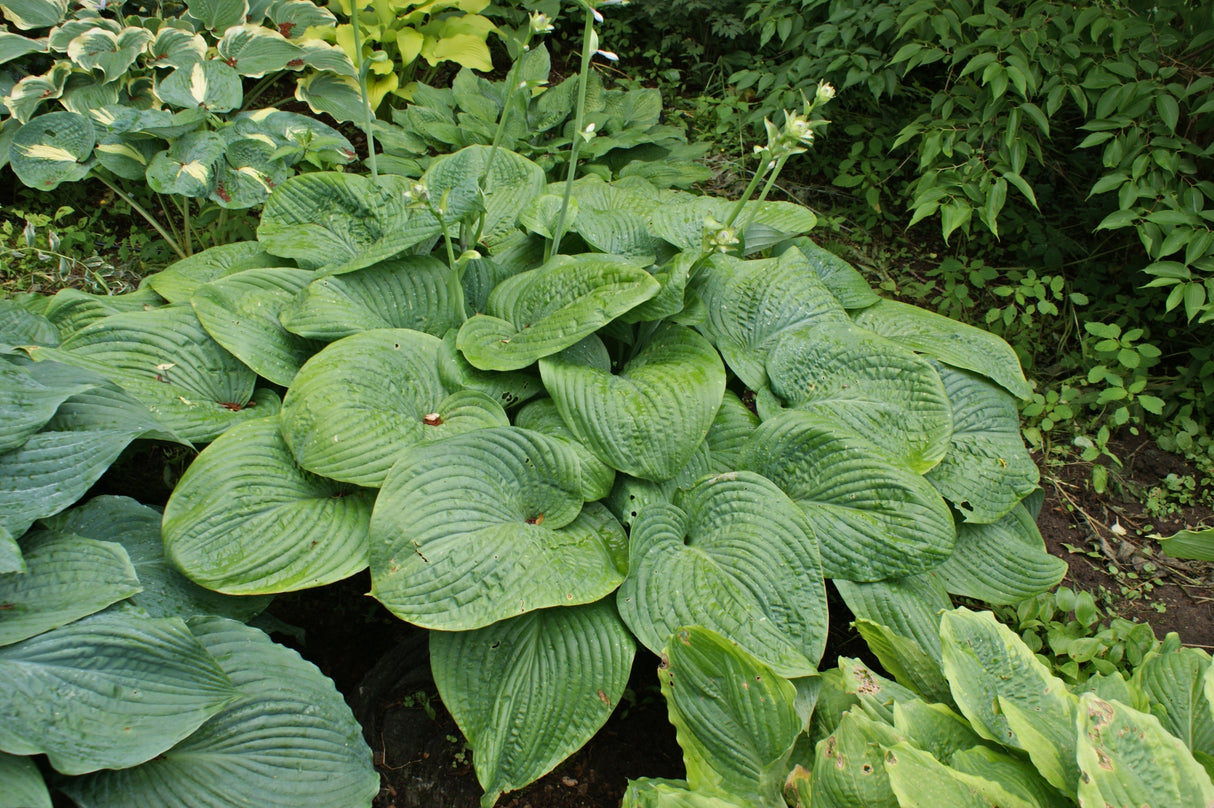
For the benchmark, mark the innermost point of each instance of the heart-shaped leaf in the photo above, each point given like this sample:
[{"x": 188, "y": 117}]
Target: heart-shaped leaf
[
  {"x": 112, "y": 54},
  {"x": 649, "y": 419},
  {"x": 249, "y": 171},
  {"x": 209, "y": 85},
  {"x": 529, "y": 691},
  {"x": 218, "y": 15},
  {"x": 460, "y": 180},
  {"x": 254, "y": 50},
  {"x": 52, "y": 149},
  {"x": 245, "y": 519},
  {"x": 840, "y": 277},
  {"x": 190, "y": 166},
  {"x": 1002, "y": 562},
  {"x": 175, "y": 47},
  {"x": 543, "y": 416},
  {"x": 503, "y": 504},
  {"x": 735, "y": 555},
  {"x": 873, "y": 519}
]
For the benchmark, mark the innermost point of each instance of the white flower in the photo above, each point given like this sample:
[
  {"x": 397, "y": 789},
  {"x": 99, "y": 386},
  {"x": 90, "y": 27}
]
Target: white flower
[
  {"x": 540, "y": 23},
  {"x": 826, "y": 91}
]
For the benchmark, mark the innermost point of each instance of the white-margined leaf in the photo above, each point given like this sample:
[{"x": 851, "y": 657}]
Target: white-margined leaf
[
  {"x": 112, "y": 54},
  {"x": 254, "y": 50},
  {"x": 31, "y": 14},
  {"x": 218, "y": 15}
]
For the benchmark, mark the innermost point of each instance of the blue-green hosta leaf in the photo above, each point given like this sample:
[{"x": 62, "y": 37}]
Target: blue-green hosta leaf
[
  {"x": 240, "y": 312},
  {"x": 734, "y": 555},
  {"x": 254, "y": 50},
  {"x": 488, "y": 525},
  {"x": 510, "y": 388},
  {"x": 108, "y": 691},
  {"x": 66, "y": 577},
  {"x": 1002, "y": 562},
  {"x": 71, "y": 309},
  {"x": 545, "y": 310},
  {"x": 23, "y": 783},
  {"x": 289, "y": 741},
  {"x": 166, "y": 592},
  {"x": 648, "y": 792},
  {"x": 31, "y": 92},
  {"x": 411, "y": 292},
  {"x": 543, "y": 416},
  {"x": 649, "y": 419},
  {"x": 951, "y": 342},
  {"x": 342, "y": 222},
  {"x": 1173, "y": 683},
  {"x": 730, "y": 433},
  {"x": 909, "y": 607},
  {"x": 189, "y": 167},
  {"x": 295, "y": 136},
  {"x": 209, "y": 85},
  {"x": 630, "y": 494},
  {"x": 176, "y": 47},
  {"x": 849, "y": 765},
  {"x": 1128, "y": 758},
  {"x": 30, "y": 14},
  {"x": 749, "y": 303},
  {"x": 460, "y": 179},
  {"x": 246, "y": 520},
  {"x": 249, "y": 171},
  {"x": 52, "y": 149},
  {"x": 218, "y": 15},
  {"x": 168, "y": 361},
  {"x": 178, "y": 282},
  {"x": 735, "y": 717},
  {"x": 21, "y": 327},
  {"x": 873, "y": 519},
  {"x": 14, "y": 46},
  {"x": 987, "y": 469},
  {"x": 529, "y": 691},
  {"x": 917, "y": 778},
  {"x": 840, "y": 277},
  {"x": 11, "y": 559},
  {"x": 112, "y": 54},
  {"x": 331, "y": 91},
  {"x": 128, "y": 157},
  {"x": 29, "y": 396},
  {"x": 59, "y": 464},
  {"x": 1008, "y": 695},
  {"x": 293, "y": 17},
  {"x": 355, "y": 405},
  {"x": 864, "y": 383},
  {"x": 683, "y": 224}
]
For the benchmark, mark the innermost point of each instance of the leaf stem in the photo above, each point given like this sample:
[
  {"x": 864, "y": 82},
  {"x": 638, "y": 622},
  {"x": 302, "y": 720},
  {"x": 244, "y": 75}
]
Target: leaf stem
[
  {"x": 583, "y": 80},
  {"x": 135, "y": 206},
  {"x": 362, "y": 67}
]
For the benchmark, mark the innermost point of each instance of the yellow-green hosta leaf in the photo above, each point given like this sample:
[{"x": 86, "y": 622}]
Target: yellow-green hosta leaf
[
  {"x": 936, "y": 729},
  {"x": 1016, "y": 775},
  {"x": 849, "y": 765},
  {"x": 732, "y": 554},
  {"x": 908, "y": 606},
  {"x": 729, "y": 434},
  {"x": 650, "y": 792},
  {"x": 488, "y": 525},
  {"x": 52, "y": 149},
  {"x": 245, "y": 519},
  {"x": 509, "y": 388},
  {"x": 865, "y": 383},
  {"x": 735, "y": 717},
  {"x": 1173, "y": 682},
  {"x": 917, "y": 779},
  {"x": 23, "y": 783},
  {"x": 529, "y": 691},
  {"x": 648, "y": 419},
  {"x": 112, "y": 54},
  {"x": 211, "y": 85},
  {"x": 873, "y": 519}
]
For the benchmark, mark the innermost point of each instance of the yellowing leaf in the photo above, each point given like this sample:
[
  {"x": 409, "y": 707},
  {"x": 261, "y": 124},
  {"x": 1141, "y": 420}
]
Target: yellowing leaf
[{"x": 463, "y": 49}]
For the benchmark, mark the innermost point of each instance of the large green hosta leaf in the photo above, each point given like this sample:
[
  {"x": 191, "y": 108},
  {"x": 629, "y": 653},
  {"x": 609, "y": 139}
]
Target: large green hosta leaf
[
  {"x": 362, "y": 399},
  {"x": 910, "y": 607},
  {"x": 840, "y": 277},
  {"x": 108, "y": 691},
  {"x": 289, "y": 741},
  {"x": 529, "y": 691},
  {"x": 683, "y": 222},
  {"x": 1173, "y": 682},
  {"x": 849, "y": 765},
  {"x": 749, "y": 303},
  {"x": 649, "y": 419},
  {"x": 488, "y": 525},
  {"x": 21, "y": 327},
  {"x": 952, "y": 342},
  {"x": 166, "y": 359},
  {"x": 542, "y": 416},
  {"x": 412, "y": 292},
  {"x": 71, "y": 309},
  {"x": 987, "y": 469},
  {"x": 917, "y": 778},
  {"x": 29, "y": 396},
  {"x": 865, "y": 383},
  {"x": 1127, "y": 758},
  {"x": 166, "y": 592},
  {"x": 240, "y": 312},
  {"x": 23, "y": 783},
  {"x": 873, "y": 519},
  {"x": 245, "y": 519},
  {"x": 460, "y": 180},
  {"x": 11, "y": 559},
  {"x": 648, "y": 792},
  {"x": 66, "y": 577},
  {"x": 52, "y": 149},
  {"x": 178, "y": 282},
  {"x": 547, "y": 309},
  {"x": 733, "y": 554},
  {"x": 735, "y": 717}
]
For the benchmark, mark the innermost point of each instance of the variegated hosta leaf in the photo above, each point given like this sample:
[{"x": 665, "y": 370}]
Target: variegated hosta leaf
[
  {"x": 294, "y": 136},
  {"x": 733, "y": 554},
  {"x": 331, "y": 92},
  {"x": 987, "y": 469},
  {"x": 240, "y": 312},
  {"x": 66, "y": 577},
  {"x": 31, "y": 92},
  {"x": 254, "y": 50},
  {"x": 527, "y": 692},
  {"x": 218, "y": 15},
  {"x": 57, "y": 465},
  {"x": 909, "y": 606},
  {"x": 1002, "y": 562},
  {"x": 355, "y": 405},
  {"x": 342, "y": 222},
  {"x": 542, "y": 416},
  {"x": 865, "y": 383},
  {"x": 248, "y": 173},
  {"x": 293, "y": 17},
  {"x": 917, "y": 778},
  {"x": 52, "y": 149},
  {"x": 209, "y": 85},
  {"x": 735, "y": 717},
  {"x": 289, "y": 741},
  {"x": 30, "y": 394},
  {"x": 1128, "y": 758},
  {"x": 23, "y": 783},
  {"x": 488, "y": 525},
  {"x": 648, "y": 419},
  {"x": 245, "y": 519},
  {"x": 849, "y": 765},
  {"x": 175, "y": 47},
  {"x": 166, "y": 592},
  {"x": 950, "y": 341},
  {"x": 873, "y": 519},
  {"x": 108, "y": 691},
  {"x": 178, "y": 282},
  {"x": 460, "y": 180},
  {"x": 128, "y": 157},
  {"x": 189, "y": 167},
  {"x": 1173, "y": 683},
  {"x": 547, "y": 309},
  {"x": 112, "y": 54},
  {"x": 31, "y": 14},
  {"x": 683, "y": 223},
  {"x": 749, "y": 303},
  {"x": 167, "y": 360},
  {"x": 411, "y": 292},
  {"x": 1008, "y": 695}
]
